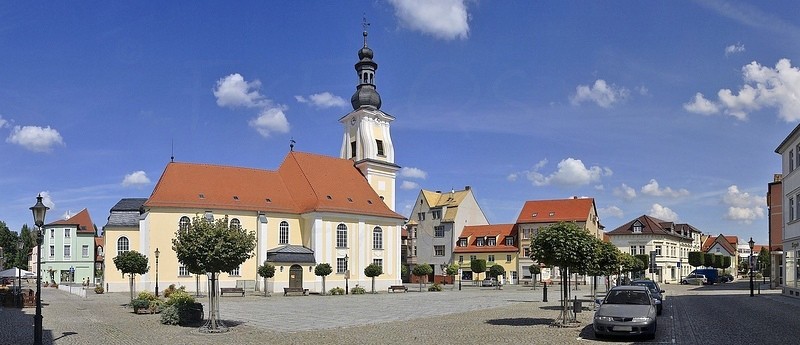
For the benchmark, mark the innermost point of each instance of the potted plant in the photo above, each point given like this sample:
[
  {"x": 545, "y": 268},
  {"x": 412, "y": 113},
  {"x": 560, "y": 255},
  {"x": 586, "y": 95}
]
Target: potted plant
[{"x": 99, "y": 289}]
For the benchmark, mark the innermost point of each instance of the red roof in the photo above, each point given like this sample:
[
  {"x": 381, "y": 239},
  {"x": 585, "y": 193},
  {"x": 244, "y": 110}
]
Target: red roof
[
  {"x": 303, "y": 183},
  {"x": 652, "y": 225},
  {"x": 499, "y": 232},
  {"x": 561, "y": 210},
  {"x": 82, "y": 221},
  {"x": 724, "y": 241}
]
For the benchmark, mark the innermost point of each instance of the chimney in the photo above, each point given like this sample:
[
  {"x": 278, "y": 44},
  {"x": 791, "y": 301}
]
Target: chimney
[
  {"x": 574, "y": 197},
  {"x": 467, "y": 187}
]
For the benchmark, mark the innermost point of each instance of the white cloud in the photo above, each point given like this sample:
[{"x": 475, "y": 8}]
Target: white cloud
[
  {"x": 444, "y": 19},
  {"x": 600, "y": 93},
  {"x": 663, "y": 213},
  {"x": 700, "y": 105},
  {"x": 742, "y": 206},
  {"x": 3, "y": 122},
  {"x": 136, "y": 178},
  {"x": 409, "y": 172},
  {"x": 653, "y": 189},
  {"x": 611, "y": 211},
  {"x": 323, "y": 100},
  {"x": 234, "y": 91},
  {"x": 764, "y": 87},
  {"x": 35, "y": 138},
  {"x": 270, "y": 120},
  {"x": 47, "y": 200},
  {"x": 734, "y": 49},
  {"x": 512, "y": 177},
  {"x": 408, "y": 185},
  {"x": 625, "y": 192},
  {"x": 570, "y": 172}
]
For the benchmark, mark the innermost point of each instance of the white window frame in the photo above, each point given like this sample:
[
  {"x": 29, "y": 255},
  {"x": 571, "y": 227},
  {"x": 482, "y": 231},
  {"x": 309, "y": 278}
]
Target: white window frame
[
  {"x": 67, "y": 252},
  {"x": 341, "y": 236},
  {"x": 283, "y": 233},
  {"x": 438, "y": 250},
  {"x": 377, "y": 238},
  {"x": 85, "y": 251}
]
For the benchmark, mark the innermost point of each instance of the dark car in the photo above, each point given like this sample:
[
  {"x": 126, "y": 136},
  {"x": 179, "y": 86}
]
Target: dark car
[
  {"x": 655, "y": 291},
  {"x": 626, "y": 310}
]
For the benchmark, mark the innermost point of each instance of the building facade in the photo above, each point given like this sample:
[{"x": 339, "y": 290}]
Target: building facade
[
  {"x": 312, "y": 209},
  {"x": 536, "y": 214},
  {"x": 436, "y": 223},
  {"x": 775, "y": 216},
  {"x": 120, "y": 234},
  {"x": 68, "y": 250},
  {"x": 789, "y": 150},
  {"x": 494, "y": 243},
  {"x": 671, "y": 243}
]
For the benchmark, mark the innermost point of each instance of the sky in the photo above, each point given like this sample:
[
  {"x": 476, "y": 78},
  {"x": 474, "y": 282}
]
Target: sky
[{"x": 670, "y": 109}]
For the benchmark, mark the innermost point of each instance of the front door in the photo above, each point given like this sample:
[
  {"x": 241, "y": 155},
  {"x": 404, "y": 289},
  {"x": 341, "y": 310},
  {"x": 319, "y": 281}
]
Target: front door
[{"x": 296, "y": 276}]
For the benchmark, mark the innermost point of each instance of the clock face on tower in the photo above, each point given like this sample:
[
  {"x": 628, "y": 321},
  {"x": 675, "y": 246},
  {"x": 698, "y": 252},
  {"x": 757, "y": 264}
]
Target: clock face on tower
[{"x": 353, "y": 121}]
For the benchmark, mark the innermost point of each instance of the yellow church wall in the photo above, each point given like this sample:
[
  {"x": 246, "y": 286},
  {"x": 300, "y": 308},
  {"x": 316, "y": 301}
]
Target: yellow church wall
[{"x": 113, "y": 278}]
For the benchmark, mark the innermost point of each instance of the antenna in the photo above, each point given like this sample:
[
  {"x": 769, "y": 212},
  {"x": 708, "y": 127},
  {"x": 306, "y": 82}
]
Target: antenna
[{"x": 172, "y": 151}]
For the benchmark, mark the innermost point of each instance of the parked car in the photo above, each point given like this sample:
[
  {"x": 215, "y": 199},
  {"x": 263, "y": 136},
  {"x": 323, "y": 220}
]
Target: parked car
[
  {"x": 726, "y": 278},
  {"x": 626, "y": 310},
  {"x": 655, "y": 292},
  {"x": 694, "y": 279},
  {"x": 711, "y": 274},
  {"x": 489, "y": 282}
]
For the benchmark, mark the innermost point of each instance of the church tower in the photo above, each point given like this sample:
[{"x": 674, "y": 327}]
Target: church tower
[{"x": 367, "y": 139}]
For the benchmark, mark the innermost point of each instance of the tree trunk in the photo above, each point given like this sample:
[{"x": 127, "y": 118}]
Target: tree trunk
[
  {"x": 214, "y": 324},
  {"x": 265, "y": 286},
  {"x": 323, "y": 286},
  {"x": 131, "y": 286},
  {"x": 373, "y": 284}
]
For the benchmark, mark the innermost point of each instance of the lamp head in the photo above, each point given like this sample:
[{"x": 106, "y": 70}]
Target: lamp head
[
  {"x": 39, "y": 211},
  {"x": 751, "y": 243},
  {"x": 157, "y": 253}
]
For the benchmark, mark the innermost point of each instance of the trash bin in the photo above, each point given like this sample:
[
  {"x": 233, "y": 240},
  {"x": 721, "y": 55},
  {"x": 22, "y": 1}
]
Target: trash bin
[{"x": 576, "y": 306}]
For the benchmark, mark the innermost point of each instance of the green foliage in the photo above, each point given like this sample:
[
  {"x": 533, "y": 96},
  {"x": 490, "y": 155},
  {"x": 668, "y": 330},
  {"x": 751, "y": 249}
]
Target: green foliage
[
  {"x": 139, "y": 304},
  {"x": 565, "y": 245},
  {"x": 718, "y": 259},
  {"x": 535, "y": 269},
  {"x": 607, "y": 259},
  {"x": 357, "y": 290},
  {"x": 267, "y": 270},
  {"x": 726, "y": 262},
  {"x": 435, "y": 287},
  {"x": 213, "y": 246},
  {"x": 696, "y": 259},
  {"x": 373, "y": 270},
  {"x": 631, "y": 264},
  {"x": 422, "y": 270},
  {"x": 147, "y": 296},
  {"x": 169, "y": 316},
  {"x": 180, "y": 297},
  {"x": 171, "y": 290},
  {"x": 764, "y": 262},
  {"x": 404, "y": 270},
  {"x": 452, "y": 269},
  {"x": 99, "y": 289},
  {"x": 645, "y": 259},
  {"x": 336, "y": 291},
  {"x": 182, "y": 314},
  {"x": 322, "y": 270},
  {"x": 131, "y": 262},
  {"x": 708, "y": 259},
  {"x": 477, "y": 266},
  {"x": 496, "y": 270}
]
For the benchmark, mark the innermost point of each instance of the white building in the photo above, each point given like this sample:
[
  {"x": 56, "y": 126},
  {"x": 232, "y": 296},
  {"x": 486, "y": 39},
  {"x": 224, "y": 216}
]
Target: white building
[{"x": 789, "y": 150}]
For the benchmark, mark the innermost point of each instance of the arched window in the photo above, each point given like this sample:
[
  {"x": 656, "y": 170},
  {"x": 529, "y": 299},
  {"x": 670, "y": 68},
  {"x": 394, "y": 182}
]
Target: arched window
[
  {"x": 341, "y": 236},
  {"x": 123, "y": 245},
  {"x": 377, "y": 238},
  {"x": 236, "y": 224},
  {"x": 184, "y": 223},
  {"x": 283, "y": 234}
]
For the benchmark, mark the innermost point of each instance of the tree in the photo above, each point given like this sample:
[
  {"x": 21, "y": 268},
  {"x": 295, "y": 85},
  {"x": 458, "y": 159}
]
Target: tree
[
  {"x": 213, "y": 246},
  {"x": 695, "y": 259},
  {"x": 267, "y": 270},
  {"x": 608, "y": 260},
  {"x": 452, "y": 270},
  {"x": 764, "y": 262},
  {"x": 718, "y": 259},
  {"x": 404, "y": 273},
  {"x": 535, "y": 271},
  {"x": 323, "y": 270},
  {"x": 631, "y": 263},
  {"x": 131, "y": 263},
  {"x": 645, "y": 259},
  {"x": 726, "y": 263},
  {"x": 495, "y": 271},
  {"x": 372, "y": 271},
  {"x": 708, "y": 259},
  {"x": 568, "y": 247},
  {"x": 422, "y": 270},
  {"x": 477, "y": 266}
]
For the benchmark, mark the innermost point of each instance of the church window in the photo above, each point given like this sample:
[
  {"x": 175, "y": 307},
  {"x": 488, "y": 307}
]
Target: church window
[
  {"x": 283, "y": 236},
  {"x": 377, "y": 238},
  {"x": 236, "y": 224},
  {"x": 341, "y": 265},
  {"x": 341, "y": 236},
  {"x": 183, "y": 224},
  {"x": 380, "y": 147},
  {"x": 123, "y": 245},
  {"x": 352, "y": 149}
]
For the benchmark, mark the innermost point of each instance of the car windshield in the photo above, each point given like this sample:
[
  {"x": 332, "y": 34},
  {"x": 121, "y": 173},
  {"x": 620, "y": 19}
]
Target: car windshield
[
  {"x": 627, "y": 297},
  {"x": 649, "y": 285}
]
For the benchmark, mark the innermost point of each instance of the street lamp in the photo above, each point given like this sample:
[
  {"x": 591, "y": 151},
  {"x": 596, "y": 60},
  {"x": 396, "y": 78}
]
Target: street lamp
[
  {"x": 39, "y": 211},
  {"x": 346, "y": 275},
  {"x": 157, "y": 253},
  {"x": 752, "y": 244},
  {"x": 20, "y": 246}
]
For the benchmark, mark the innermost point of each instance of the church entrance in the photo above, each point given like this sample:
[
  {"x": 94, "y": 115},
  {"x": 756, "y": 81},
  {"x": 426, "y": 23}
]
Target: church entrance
[{"x": 296, "y": 276}]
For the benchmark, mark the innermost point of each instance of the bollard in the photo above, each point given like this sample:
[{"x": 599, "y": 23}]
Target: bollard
[{"x": 544, "y": 292}]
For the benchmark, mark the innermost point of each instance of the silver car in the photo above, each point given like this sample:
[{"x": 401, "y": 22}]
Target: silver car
[{"x": 626, "y": 310}]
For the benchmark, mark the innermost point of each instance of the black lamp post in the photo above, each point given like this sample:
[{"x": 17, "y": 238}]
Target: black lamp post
[
  {"x": 346, "y": 275},
  {"x": 752, "y": 244},
  {"x": 157, "y": 253},
  {"x": 20, "y": 246},
  {"x": 39, "y": 211}
]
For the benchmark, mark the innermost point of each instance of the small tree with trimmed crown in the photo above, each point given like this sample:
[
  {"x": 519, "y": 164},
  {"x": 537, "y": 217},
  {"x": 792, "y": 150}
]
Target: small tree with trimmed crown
[
  {"x": 131, "y": 263},
  {"x": 372, "y": 271},
  {"x": 267, "y": 270}
]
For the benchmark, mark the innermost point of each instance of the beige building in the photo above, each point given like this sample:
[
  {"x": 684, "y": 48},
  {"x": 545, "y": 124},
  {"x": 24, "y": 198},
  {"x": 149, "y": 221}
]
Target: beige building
[{"x": 497, "y": 244}]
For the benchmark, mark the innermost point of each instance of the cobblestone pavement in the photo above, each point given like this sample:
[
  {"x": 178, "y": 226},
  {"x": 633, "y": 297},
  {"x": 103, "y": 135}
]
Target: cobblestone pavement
[{"x": 471, "y": 316}]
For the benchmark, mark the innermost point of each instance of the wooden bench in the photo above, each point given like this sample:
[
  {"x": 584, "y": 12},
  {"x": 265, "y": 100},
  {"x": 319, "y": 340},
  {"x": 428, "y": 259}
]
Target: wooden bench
[
  {"x": 395, "y": 288},
  {"x": 288, "y": 290},
  {"x": 223, "y": 291}
]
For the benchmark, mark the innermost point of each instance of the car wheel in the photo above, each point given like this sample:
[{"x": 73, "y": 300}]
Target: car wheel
[{"x": 598, "y": 335}]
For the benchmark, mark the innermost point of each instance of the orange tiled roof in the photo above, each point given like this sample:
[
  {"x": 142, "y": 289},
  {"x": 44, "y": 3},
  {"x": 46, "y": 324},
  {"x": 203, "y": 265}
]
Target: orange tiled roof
[
  {"x": 652, "y": 225},
  {"x": 81, "y": 220},
  {"x": 560, "y": 210},
  {"x": 723, "y": 241},
  {"x": 303, "y": 183},
  {"x": 500, "y": 231}
]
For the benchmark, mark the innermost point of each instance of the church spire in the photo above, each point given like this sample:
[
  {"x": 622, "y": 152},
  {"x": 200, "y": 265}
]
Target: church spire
[{"x": 365, "y": 95}]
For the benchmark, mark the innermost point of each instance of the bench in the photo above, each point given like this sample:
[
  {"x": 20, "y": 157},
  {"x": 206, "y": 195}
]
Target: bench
[
  {"x": 288, "y": 290},
  {"x": 395, "y": 288},
  {"x": 223, "y": 291}
]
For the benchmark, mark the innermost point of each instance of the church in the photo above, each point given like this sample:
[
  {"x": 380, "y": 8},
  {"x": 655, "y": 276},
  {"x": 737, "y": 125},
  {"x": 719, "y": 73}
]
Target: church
[{"x": 312, "y": 209}]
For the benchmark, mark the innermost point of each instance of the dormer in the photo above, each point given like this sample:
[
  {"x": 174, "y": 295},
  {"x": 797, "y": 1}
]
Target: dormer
[
  {"x": 480, "y": 241},
  {"x": 637, "y": 227},
  {"x": 462, "y": 241},
  {"x": 491, "y": 241}
]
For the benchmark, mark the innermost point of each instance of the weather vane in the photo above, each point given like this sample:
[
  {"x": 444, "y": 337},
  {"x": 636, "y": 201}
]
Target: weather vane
[{"x": 365, "y": 25}]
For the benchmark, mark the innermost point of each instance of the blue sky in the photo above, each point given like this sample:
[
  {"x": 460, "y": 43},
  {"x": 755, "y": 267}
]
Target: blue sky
[{"x": 672, "y": 109}]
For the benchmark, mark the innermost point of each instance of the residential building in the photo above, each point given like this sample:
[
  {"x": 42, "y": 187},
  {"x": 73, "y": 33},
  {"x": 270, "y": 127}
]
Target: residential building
[
  {"x": 727, "y": 246},
  {"x": 497, "y": 244},
  {"x": 536, "y": 214},
  {"x": 775, "y": 216},
  {"x": 435, "y": 223},
  {"x": 671, "y": 243},
  {"x": 312, "y": 209},
  {"x": 68, "y": 250}
]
